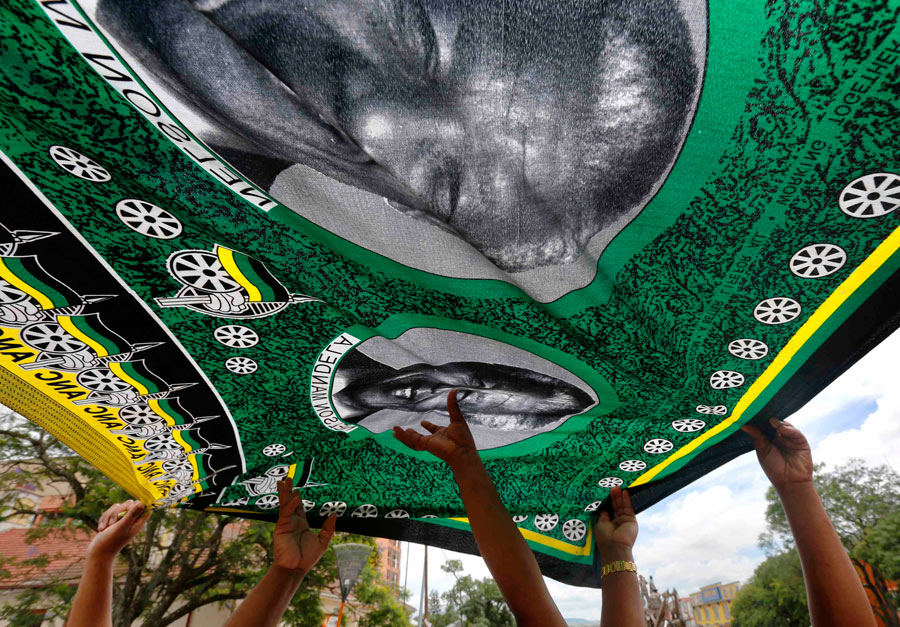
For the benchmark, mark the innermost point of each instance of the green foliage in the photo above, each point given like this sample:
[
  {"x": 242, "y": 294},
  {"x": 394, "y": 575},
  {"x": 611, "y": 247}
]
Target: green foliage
[
  {"x": 385, "y": 609},
  {"x": 775, "y": 595},
  {"x": 855, "y": 496},
  {"x": 474, "y": 602},
  {"x": 181, "y": 561},
  {"x": 863, "y": 503}
]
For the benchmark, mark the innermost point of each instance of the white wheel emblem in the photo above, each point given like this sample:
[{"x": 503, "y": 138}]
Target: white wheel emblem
[
  {"x": 632, "y": 465},
  {"x": 278, "y": 472},
  {"x": 148, "y": 219},
  {"x": 688, "y": 425},
  {"x": 593, "y": 507},
  {"x": 574, "y": 530},
  {"x": 657, "y": 446},
  {"x": 777, "y": 310},
  {"x": 101, "y": 380},
  {"x": 178, "y": 465},
  {"x": 267, "y": 501},
  {"x": 723, "y": 379},
  {"x": 609, "y": 482},
  {"x": 718, "y": 410},
  {"x": 818, "y": 260},
  {"x": 139, "y": 415},
  {"x": 274, "y": 449},
  {"x": 519, "y": 519},
  {"x": 201, "y": 270},
  {"x": 162, "y": 442},
  {"x": 397, "y": 513},
  {"x": 746, "y": 348},
  {"x": 78, "y": 165},
  {"x": 871, "y": 196},
  {"x": 429, "y": 516},
  {"x": 333, "y": 507},
  {"x": 236, "y": 336},
  {"x": 51, "y": 338},
  {"x": 546, "y": 522},
  {"x": 365, "y": 511},
  {"x": 10, "y": 294},
  {"x": 308, "y": 505},
  {"x": 241, "y": 365}
]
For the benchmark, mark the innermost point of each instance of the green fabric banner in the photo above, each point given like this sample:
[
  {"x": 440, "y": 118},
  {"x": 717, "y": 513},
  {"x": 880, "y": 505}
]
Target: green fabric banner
[{"x": 244, "y": 239}]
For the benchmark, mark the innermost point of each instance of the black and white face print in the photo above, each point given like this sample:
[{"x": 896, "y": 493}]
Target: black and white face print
[
  {"x": 506, "y": 394},
  {"x": 515, "y": 138}
]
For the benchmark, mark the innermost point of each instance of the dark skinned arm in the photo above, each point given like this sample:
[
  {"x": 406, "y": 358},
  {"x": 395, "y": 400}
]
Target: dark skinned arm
[
  {"x": 615, "y": 536},
  {"x": 503, "y": 548},
  {"x": 92, "y": 605},
  {"x": 833, "y": 589},
  {"x": 297, "y": 550}
]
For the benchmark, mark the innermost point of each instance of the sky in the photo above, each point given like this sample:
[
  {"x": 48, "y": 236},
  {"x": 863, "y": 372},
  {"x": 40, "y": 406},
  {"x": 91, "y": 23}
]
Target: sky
[{"x": 708, "y": 532}]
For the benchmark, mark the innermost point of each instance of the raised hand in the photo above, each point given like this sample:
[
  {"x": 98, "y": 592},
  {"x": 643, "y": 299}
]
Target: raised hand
[
  {"x": 615, "y": 535},
  {"x": 786, "y": 457},
  {"x": 453, "y": 443},
  {"x": 116, "y": 527},
  {"x": 296, "y": 546}
]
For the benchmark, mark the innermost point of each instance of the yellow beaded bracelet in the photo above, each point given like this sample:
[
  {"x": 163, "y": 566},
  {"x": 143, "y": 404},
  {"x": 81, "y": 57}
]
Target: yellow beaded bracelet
[{"x": 617, "y": 567}]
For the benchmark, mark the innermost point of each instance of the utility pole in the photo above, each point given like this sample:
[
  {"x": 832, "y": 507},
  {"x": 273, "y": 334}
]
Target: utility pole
[{"x": 426, "y": 582}]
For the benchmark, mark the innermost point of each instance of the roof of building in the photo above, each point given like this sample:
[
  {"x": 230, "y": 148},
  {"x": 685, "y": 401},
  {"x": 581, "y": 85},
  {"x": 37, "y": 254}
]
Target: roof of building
[{"x": 64, "y": 551}]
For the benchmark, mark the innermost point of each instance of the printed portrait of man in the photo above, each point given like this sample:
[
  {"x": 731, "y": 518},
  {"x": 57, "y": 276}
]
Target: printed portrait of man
[
  {"x": 377, "y": 386},
  {"x": 525, "y": 129}
]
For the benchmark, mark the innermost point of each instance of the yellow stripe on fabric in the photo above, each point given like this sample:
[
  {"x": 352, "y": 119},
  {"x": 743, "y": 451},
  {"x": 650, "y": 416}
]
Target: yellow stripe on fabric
[
  {"x": 226, "y": 258},
  {"x": 230, "y": 510},
  {"x": 116, "y": 369},
  {"x": 194, "y": 468},
  {"x": 94, "y": 445},
  {"x": 157, "y": 408},
  {"x": 176, "y": 435},
  {"x": 18, "y": 283},
  {"x": 553, "y": 543},
  {"x": 857, "y": 278},
  {"x": 66, "y": 323}
]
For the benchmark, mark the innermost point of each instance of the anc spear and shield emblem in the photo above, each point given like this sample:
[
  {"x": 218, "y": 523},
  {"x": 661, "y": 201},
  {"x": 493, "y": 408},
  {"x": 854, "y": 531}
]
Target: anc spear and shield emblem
[
  {"x": 226, "y": 284},
  {"x": 76, "y": 343},
  {"x": 157, "y": 416},
  {"x": 11, "y": 240},
  {"x": 119, "y": 384},
  {"x": 28, "y": 293}
]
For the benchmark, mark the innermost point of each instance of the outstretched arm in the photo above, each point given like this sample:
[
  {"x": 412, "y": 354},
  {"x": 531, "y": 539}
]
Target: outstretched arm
[
  {"x": 503, "y": 548},
  {"x": 833, "y": 589},
  {"x": 297, "y": 549},
  {"x": 615, "y": 536},
  {"x": 92, "y": 605}
]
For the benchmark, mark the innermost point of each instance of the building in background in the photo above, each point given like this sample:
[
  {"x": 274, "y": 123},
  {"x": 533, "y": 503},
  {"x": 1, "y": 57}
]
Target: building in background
[
  {"x": 389, "y": 553},
  {"x": 687, "y": 611},
  {"x": 712, "y": 604}
]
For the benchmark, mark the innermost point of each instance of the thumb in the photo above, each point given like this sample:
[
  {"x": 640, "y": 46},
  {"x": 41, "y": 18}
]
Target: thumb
[
  {"x": 131, "y": 515},
  {"x": 139, "y": 524},
  {"x": 327, "y": 531},
  {"x": 760, "y": 441}
]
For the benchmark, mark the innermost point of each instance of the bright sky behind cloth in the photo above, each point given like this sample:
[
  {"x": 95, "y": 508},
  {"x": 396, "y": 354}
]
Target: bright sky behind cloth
[{"x": 708, "y": 532}]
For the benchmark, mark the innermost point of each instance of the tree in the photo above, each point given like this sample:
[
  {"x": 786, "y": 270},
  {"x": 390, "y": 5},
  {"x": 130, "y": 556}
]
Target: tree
[
  {"x": 863, "y": 503},
  {"x": 385, "y": 608},
  {"x": 774, "y": 595},
  {"x": 183, "y": 559},
  {"x": 475, "y": 602}
]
